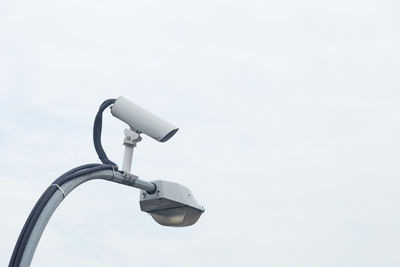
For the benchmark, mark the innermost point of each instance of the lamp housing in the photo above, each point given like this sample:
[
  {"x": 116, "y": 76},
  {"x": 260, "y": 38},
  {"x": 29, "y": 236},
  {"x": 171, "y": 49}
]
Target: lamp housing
[{"x": 171, "y": 204}]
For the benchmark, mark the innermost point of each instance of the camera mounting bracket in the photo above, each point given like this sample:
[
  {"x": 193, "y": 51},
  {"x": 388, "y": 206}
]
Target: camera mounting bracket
[{"x": 130, "y": 140}]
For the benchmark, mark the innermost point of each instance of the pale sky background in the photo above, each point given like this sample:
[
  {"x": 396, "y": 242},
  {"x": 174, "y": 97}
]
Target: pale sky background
[{"x": 289, "y": 133}]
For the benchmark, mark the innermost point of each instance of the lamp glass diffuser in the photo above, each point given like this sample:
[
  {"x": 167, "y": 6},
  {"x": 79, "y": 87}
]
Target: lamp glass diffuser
[{"x": 182, "y": 216}]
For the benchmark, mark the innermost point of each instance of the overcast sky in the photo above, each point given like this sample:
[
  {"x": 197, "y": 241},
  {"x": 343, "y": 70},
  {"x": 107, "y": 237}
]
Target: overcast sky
[{"x": 289, "y": 123}]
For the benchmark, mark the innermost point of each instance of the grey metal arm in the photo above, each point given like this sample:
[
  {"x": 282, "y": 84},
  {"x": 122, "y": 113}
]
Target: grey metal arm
[{"x": 66, "y": 188}]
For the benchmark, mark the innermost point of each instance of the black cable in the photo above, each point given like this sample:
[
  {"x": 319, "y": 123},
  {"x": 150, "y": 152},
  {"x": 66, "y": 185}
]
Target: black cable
[
  {"x": 97, "y": 132},
  {"x": 31, "y": 216},
  {"x": 29, "y": 219},
  {"x": 42, "y": 202},
  {"x": 23, "y": 232},
  {"x": 78, "y": 171}
]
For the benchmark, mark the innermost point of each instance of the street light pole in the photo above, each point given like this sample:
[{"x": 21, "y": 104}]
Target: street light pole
[
  {"x": 59, "y": 196},
  {"x": 170, "y": 204}
]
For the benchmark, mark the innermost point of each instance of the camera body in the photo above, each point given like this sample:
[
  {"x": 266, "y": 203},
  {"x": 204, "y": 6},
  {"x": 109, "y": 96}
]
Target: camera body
[{"x": 142, "y": 121}]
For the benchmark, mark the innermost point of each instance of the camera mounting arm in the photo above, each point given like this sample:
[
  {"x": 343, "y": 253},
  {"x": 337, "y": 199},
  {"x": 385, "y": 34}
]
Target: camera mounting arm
[{"x": 130, "y": 140}]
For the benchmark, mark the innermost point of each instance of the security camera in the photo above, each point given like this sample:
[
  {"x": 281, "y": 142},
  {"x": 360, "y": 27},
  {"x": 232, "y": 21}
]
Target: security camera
[
  {"x": 142, "y": 121},
  {"x": 171, "y": 204}
]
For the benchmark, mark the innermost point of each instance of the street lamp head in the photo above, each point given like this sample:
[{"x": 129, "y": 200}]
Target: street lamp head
[
  {"x": 142, "y": 121},
  {"x": 171, "y": 204}
]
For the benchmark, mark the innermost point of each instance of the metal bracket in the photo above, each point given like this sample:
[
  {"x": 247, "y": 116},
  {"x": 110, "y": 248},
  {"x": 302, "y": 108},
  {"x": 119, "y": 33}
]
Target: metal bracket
[{"x": 130, "y": 140}]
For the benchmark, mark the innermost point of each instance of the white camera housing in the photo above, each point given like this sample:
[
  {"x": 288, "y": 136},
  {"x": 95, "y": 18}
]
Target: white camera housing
[
  {"x": 142, "y": 121},
  {"x": 171, "y": 205}
]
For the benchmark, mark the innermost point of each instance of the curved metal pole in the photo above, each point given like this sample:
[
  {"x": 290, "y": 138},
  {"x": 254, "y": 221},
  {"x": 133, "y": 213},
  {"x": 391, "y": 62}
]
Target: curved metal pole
[{"x": 64, "y": 190}]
